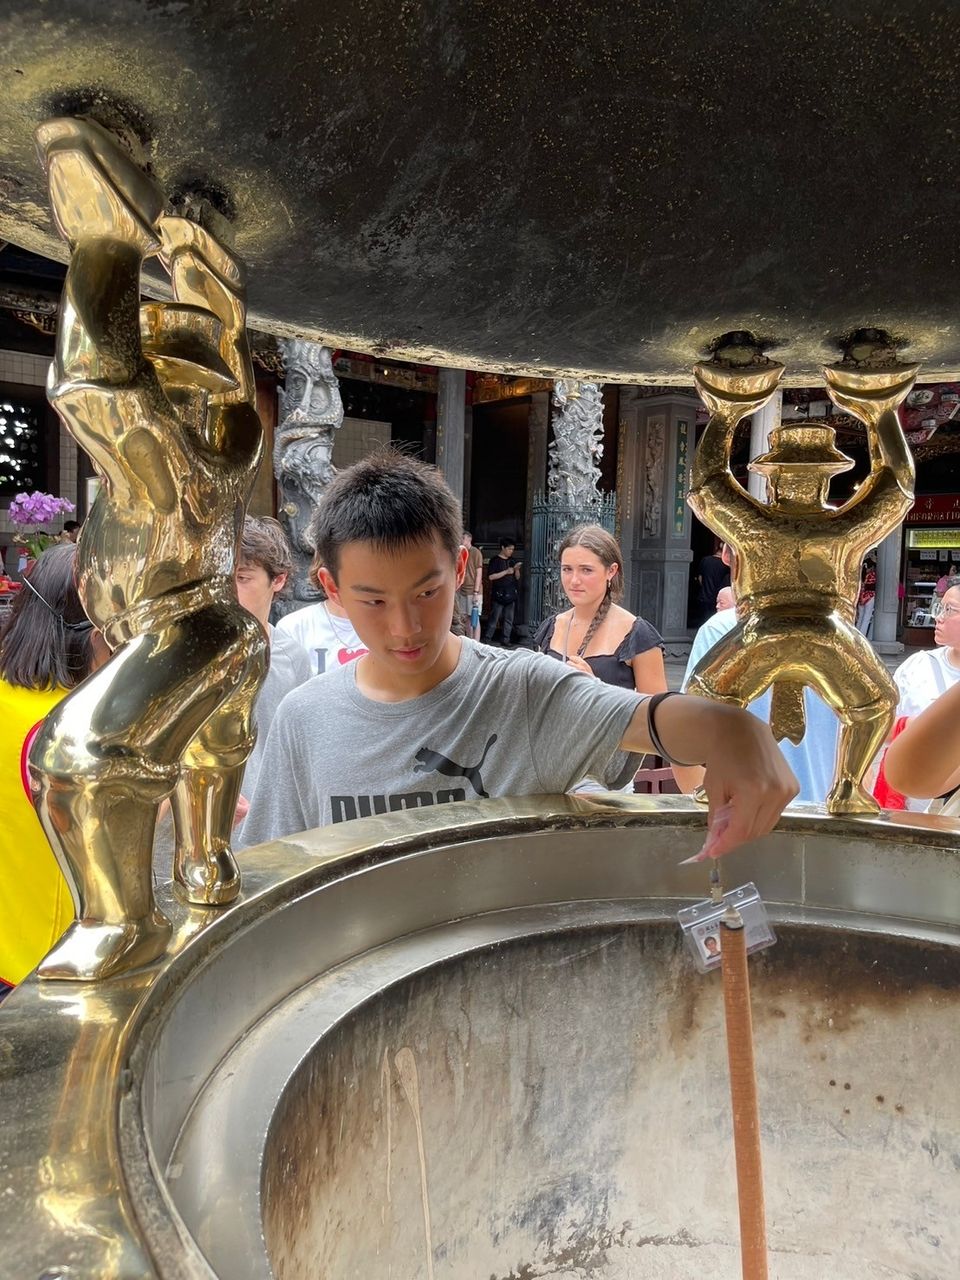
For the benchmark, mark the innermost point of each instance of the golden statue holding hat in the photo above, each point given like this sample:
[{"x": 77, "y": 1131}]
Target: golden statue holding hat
[
  {"x": 162, "y": 397},
  {"x": 798, "y": 558}
]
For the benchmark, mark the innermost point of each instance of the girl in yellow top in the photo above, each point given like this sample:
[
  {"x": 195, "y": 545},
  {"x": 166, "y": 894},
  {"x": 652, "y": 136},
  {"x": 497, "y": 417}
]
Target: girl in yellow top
[{"x": 46, "y": 649}]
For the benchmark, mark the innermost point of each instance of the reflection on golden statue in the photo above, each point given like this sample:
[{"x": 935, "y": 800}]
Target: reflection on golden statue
[
  {"x": 798, "y": 557},
  {"x": 161, "y": 396}
]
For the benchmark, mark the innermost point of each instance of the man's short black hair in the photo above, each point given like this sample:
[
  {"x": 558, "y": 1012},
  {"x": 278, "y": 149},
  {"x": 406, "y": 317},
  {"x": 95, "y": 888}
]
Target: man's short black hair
[
  {"x": 389, "y": 499},
  {"x": 507, "y": 542},
  {"x": 70, "y": 525}
]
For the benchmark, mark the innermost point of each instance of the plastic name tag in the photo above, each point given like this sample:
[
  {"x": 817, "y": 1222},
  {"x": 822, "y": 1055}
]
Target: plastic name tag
[{"x": 703, "y": 933}]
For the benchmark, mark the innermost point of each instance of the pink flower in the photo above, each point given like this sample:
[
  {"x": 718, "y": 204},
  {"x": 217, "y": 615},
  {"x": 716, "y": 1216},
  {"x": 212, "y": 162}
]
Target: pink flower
[
  {"x": 36, "y": 508},
  {"x": 30, "y": 510}
]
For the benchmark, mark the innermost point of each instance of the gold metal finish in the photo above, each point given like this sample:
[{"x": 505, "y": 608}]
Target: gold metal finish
[
  {"x": 162, "y": 398},
  {"x": 798, "y": 558}
]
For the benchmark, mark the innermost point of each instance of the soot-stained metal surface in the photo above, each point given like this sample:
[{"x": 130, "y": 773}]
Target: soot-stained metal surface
[
  {"x": 534, "y": 185},
  {"x": 557, "y": 1107}
]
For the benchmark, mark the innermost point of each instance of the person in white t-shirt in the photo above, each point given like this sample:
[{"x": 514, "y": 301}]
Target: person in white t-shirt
[
  {"x": 263, "y": 567},
  {"x": 323, "y": 631},
  {"x": 926, "y": 675}
]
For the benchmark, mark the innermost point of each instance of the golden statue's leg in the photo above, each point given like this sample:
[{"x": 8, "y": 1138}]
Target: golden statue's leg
[
  {"x": 109, "y": 753},
  {"x": 104, "y": 825},
  {"x": 204, "y": 803},
  {"x": 739, "y": 668},
  {"x": 206, "y": 796},
  {"x": 860, "y": 740},
  {"x": 844, "y": 670}
]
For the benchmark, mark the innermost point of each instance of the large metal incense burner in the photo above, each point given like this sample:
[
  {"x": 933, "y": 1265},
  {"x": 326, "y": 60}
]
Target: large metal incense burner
[{"x": 466, "y": 1043}]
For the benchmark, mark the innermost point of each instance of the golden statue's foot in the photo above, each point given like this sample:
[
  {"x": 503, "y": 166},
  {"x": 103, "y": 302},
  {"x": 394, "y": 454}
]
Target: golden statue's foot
[
  {"x": 210, "y": 881},
  {"x": 96, "y": 189},
  {"x": 92, "y": 949},
  {"x": 849, "y": 797}
]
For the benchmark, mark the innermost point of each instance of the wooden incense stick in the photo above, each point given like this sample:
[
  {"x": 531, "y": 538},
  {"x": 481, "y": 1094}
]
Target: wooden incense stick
[{"x": 743, "y": 1097}]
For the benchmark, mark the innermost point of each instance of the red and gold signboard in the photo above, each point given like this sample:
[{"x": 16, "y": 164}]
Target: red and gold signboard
[{"x": 935, "y": 508}]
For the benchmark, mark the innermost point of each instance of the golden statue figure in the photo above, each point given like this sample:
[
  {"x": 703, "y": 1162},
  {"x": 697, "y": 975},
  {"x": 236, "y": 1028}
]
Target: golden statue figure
[
  {"x": 798, "y": 558},
  {"x": 161, "y": 396}
]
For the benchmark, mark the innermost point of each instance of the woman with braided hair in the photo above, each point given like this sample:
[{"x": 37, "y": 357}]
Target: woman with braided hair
[{"x": 596, "y": 635}]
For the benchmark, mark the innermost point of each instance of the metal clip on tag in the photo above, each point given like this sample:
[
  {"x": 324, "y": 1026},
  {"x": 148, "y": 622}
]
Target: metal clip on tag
[{"x": 701, "y": 925}]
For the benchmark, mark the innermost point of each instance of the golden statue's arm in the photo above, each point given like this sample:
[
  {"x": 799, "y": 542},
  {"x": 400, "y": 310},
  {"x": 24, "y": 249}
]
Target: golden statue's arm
[
  {"x": 203, "y": 274},
  {"x": 710, "y": 473},
  {"x": 873, "y": 397},
  {"x": 100, "y": 376},
  {"x": 714, "y": 490}
]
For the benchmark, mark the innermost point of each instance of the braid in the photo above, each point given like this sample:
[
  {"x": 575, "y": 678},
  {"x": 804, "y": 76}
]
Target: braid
[{"x": 595, "y": 622}]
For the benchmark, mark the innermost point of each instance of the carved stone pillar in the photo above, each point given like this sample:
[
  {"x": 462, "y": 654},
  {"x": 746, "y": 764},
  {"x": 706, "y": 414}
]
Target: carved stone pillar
[
  {"x": 451, "y": 411},
  {"x": 311, "y": 412},
  {"x": 538, "y": 428},
  {"x": 656, "y": 450},
  {"x": 573, "y": 476}
]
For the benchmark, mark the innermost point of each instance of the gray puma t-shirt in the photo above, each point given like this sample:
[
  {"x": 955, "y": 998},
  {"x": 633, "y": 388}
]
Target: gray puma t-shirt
[{"x": 502, "y": 724}]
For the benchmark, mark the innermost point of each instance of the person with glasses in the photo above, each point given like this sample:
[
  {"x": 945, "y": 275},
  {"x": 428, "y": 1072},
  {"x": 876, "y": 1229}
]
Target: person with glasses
[
  {"x": 47, "y": 647},
  {"x": 921, "y": 680}
]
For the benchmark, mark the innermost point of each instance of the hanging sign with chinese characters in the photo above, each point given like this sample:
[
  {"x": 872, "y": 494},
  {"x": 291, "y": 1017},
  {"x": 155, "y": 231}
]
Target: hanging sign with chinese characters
[{"x": 680, "y": 478}]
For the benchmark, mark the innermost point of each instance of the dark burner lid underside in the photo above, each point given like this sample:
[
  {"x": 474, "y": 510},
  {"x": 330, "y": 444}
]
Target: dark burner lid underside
[{"x": 530, "y": 186}]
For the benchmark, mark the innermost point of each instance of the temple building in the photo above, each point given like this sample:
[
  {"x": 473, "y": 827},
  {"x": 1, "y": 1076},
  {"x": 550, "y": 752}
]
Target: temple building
[{"x": 492, "y": 436}]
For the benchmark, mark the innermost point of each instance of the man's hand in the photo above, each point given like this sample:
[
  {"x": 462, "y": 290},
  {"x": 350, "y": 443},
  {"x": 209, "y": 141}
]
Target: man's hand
[{"x": 747, "y": 780}]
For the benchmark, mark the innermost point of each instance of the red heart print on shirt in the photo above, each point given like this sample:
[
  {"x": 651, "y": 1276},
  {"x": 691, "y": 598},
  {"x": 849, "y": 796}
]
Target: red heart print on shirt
[{"x": 348, "y": 655}]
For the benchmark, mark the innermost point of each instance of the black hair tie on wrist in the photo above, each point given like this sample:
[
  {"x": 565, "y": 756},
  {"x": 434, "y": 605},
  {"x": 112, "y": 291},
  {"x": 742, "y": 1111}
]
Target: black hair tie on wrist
[{"x": 655, "y": 738}]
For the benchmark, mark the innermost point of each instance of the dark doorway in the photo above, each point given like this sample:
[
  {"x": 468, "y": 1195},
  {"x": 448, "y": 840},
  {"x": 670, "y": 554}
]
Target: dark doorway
[{"x": 498, "y": 471}]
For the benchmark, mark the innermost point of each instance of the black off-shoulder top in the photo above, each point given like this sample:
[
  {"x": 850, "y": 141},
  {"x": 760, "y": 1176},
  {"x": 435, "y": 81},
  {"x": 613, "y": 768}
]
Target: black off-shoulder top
[{"x": 611, "y": 668}]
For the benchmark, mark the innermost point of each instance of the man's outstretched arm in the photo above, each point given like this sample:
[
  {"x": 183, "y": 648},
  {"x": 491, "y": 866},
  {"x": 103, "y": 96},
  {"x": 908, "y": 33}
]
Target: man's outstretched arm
[{"x": 747, "y": 779}]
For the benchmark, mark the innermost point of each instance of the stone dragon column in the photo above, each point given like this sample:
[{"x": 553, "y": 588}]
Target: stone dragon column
[{"x": 312, "y": 413}]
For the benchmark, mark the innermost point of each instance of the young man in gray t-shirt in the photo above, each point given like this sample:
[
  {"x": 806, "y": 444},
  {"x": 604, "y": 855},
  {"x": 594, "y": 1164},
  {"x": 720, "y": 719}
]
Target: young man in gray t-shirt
[{"x": 426, "y": 717}]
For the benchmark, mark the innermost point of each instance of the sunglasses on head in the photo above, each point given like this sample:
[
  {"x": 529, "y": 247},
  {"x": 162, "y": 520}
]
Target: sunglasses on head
[{"x": 85, "y": 625}]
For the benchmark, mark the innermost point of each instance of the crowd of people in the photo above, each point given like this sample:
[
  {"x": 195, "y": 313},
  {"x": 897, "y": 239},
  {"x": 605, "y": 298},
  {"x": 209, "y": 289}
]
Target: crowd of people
[{"x": 381, "y": 697}]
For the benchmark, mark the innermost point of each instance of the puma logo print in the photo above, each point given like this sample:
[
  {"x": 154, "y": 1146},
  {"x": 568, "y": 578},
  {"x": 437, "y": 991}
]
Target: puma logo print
[{"x": 433, "y": 762}]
